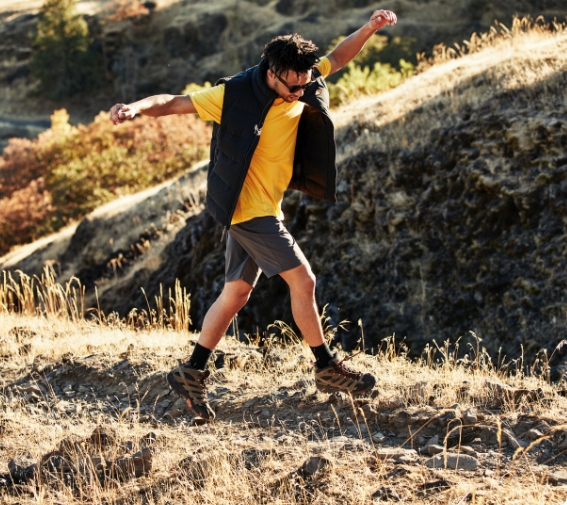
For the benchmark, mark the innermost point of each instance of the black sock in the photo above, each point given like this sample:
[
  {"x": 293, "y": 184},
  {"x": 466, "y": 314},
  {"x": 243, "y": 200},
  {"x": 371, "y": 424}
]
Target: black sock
[
  {"x": 200, "y": 357},
  {"x": 322, "y": 355}
]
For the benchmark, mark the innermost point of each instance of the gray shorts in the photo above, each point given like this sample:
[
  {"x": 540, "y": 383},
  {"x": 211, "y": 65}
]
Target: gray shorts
[{"x": 260, "y": 245}]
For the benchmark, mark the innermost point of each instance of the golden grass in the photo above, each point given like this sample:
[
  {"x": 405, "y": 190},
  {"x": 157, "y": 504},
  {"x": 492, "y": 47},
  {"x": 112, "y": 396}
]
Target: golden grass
[
  {"x": 246, "y": 456},
  {"x": 254, "y": 452},
  {"x": 455, "y": 80}
]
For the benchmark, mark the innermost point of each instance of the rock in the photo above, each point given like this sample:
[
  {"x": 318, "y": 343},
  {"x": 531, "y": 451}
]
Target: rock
[
  {"x": 127, "y": 467},
  {"x": 513, "y": 441},
  {"x": 314, "y": 465},
  {"x": 470, "y": 416},
  {"x": 22, "y": 469},
  {"x": 533, "y": 434},
  {"x": 369, "y": 412},
  {"x": 394, "y": 454},
  {"x": 453, "y": 461},
  {"x": 434, "y": 440},
  {"x": 557, "y": 478},
  {"x": 434, "y": 449},
  {"x": 378, "y": 437},
  {"x": 102, "y": 438}
]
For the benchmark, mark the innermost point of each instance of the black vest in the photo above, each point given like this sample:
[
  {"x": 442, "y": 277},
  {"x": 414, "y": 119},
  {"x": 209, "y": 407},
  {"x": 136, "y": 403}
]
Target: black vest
[{"x": 247, "y": 100}]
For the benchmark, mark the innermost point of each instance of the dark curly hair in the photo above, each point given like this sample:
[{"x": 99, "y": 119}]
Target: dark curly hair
[{"x": 289, "y": 52}]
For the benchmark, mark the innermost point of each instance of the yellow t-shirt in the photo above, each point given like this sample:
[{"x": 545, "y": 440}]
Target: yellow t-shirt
[{"x": 271, "y": 166}]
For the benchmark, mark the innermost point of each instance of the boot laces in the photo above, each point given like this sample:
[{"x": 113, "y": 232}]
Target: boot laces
[
  {"x": 202, "y": 383},
  {"x": 344, "y": 370}
]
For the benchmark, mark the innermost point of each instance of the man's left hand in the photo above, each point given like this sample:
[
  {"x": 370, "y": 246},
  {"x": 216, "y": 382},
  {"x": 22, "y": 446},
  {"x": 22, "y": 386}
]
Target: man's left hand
[{"x": 382, "y": 18}]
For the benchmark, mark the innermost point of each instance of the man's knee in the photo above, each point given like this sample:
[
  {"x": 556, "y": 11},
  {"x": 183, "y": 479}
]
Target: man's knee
[
  {"x": 238, "y": 292},
  {"x": 307, "y": 281}
]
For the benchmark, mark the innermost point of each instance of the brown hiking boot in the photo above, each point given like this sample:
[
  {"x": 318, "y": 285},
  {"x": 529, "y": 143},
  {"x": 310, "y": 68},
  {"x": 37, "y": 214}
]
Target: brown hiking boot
[
  {"x": 337, "y": 377},
  {"x": 190, "y": 383}
]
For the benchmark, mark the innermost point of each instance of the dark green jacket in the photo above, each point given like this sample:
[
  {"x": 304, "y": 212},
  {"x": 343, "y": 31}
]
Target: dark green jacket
[{"x": 247, "y": 100}]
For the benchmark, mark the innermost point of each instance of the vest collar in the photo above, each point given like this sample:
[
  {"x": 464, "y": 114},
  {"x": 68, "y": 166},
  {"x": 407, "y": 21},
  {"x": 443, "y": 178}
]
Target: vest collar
[
  {"x": 316, "y": 95},
  {"x": 261, "y": 89}
]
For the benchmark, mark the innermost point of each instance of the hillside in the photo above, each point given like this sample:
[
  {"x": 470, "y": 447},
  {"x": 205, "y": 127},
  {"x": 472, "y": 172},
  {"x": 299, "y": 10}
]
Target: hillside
[
  {"x": 177, "y": 42},
  {"x": 449, "y": 221}
]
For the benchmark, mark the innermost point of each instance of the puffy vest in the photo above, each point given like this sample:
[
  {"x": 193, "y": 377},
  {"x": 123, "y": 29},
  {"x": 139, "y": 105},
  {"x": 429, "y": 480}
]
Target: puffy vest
[{"x": 247, "y": 100}]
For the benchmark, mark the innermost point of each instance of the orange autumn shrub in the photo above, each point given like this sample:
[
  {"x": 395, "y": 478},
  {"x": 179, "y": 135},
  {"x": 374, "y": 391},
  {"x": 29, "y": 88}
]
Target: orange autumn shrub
[{"x": 68, "y": 171}]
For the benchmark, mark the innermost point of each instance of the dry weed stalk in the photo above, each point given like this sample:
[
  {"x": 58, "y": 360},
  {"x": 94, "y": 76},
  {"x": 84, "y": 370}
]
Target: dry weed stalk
[{"x": 45, "y": 297}]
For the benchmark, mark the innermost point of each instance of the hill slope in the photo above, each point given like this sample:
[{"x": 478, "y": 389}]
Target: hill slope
[
  {"x": 450, "y": 216},
  {"x": 178, "y": 42}
]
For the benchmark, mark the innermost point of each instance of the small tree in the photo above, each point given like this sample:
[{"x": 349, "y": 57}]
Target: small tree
[{"x": 62, "y": 60}]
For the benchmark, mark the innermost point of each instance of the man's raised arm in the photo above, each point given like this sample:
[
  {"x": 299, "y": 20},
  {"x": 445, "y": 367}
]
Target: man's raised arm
[
  {"x": 353, "y": 44},
  {"x": 154, "y": 106}
]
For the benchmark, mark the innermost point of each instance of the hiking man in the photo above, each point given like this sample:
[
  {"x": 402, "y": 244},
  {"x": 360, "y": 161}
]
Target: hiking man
[{"x": 272, "y": 131}]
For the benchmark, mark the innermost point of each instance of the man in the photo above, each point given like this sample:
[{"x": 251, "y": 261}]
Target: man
[{"x": 272, "y": 132}]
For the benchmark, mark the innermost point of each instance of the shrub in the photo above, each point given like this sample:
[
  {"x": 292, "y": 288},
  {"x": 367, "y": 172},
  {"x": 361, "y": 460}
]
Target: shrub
[
  {"x": 381, "y": 65},
  {"x": 358, "y": 81},
  {"x": 62, "y": 60},
  {"x": 68, "y": 171}
]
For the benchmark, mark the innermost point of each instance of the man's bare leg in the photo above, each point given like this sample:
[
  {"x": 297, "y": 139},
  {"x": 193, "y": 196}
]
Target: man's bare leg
[
  {"x": 189, "y": 378},
  {"x": 332, "y": 375},
  {"x": 301, "y": 282},
  {"x": 234, "y": 296}
]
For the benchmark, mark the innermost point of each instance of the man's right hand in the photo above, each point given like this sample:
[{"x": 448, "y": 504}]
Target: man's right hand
[{"x": 121, "y": 112}]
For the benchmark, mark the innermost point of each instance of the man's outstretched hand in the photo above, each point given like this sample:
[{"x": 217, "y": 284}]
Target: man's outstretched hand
[
  {"x": 121, "y": 112},
  {"x": 382, "y": 18}
]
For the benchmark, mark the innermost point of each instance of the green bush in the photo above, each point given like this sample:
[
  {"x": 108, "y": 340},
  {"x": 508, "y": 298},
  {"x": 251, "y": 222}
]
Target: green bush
[
  {"x": 359, "y": 81},
  {"x": 380, "y": 66},
  {"x": 62, "y": 60}
]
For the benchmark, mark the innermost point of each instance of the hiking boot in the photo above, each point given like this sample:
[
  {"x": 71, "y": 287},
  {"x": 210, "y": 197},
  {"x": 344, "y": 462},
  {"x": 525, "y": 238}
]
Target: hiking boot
[
  {"x": 190, "y": 383},
  {"x": 337, "y": 377}
]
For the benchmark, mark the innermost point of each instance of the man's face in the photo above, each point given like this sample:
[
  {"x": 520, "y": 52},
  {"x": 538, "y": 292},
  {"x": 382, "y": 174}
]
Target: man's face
[{"x": 289, "y": 85}]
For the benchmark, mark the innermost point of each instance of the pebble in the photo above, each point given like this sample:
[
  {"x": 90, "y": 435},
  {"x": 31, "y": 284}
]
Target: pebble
[
  {"x": 470, "y": 416},
  {"x": 453, "y": 461},
  {"x": 434, "y": 449}
]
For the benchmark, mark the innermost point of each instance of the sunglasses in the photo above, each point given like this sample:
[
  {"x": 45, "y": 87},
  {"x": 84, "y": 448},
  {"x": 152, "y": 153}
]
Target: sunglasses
[{"x": 293, "y": 89}]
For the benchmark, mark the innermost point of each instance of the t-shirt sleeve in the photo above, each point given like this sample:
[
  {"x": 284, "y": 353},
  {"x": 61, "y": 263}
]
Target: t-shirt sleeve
[
  {"x": 209, "y": 103},
  {"x": 324, "y": 66}
]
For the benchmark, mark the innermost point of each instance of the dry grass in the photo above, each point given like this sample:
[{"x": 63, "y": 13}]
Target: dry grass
[
  {"x": 271, "y": 420},
  {"x": 457, "y": 79}
]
